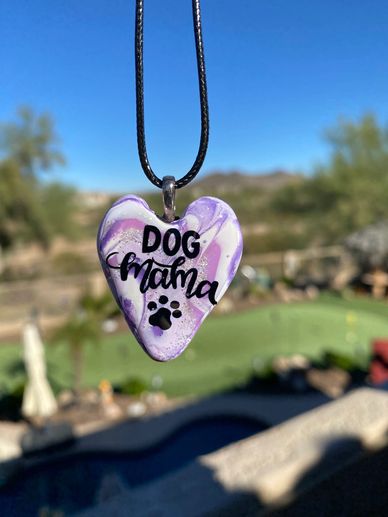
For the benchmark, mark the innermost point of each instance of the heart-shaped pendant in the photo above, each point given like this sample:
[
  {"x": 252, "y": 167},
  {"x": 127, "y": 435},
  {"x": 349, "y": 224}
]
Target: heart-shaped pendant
[{"x": 167, "y": 277}]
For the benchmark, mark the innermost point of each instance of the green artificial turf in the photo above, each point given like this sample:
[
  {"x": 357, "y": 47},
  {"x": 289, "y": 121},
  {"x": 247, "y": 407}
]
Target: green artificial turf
[{"x": 227, "y": 348}]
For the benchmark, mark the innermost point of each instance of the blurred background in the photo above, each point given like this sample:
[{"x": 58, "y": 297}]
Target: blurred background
[{"x": 298, "y": 148}]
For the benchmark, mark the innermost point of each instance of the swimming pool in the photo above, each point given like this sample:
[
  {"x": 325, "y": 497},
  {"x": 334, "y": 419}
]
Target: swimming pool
[{"x": 72, "y": 483}]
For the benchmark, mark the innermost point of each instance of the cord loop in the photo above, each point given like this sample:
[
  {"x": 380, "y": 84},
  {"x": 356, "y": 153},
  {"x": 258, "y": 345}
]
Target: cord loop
[
  {"x": 141, "y": 142},
  {"x": 168, "y": 191}
]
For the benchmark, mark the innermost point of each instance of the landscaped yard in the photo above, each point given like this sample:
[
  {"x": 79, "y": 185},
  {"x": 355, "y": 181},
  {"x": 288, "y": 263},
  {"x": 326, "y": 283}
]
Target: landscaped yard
[{"x": 227, "y": 347}]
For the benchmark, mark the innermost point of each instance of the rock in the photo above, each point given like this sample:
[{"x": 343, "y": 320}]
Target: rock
[
  {"x": 111, "y": 410},
  {"x": 91, "y": 397},
  {"x": 65, "y": 398},
  {"x": 312, "y": 292},
  {"x": 10, "y": 450},
  {"x": 154, "y": 399},
  {"x": 109, "y": 326},
  {"x": 332, "y": 382},
  {"x": 225, "y": 306},
  {"x": 287, "y": 295},
  {"x": 291, "y": 372},
  {"x": 10, "y": 435},
  {"x": 282, "y": 364},
  {"x": 136, "y": 409}
]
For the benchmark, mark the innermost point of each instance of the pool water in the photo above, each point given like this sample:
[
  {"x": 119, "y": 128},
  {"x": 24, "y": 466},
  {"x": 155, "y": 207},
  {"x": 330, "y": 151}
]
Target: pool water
[{"x": 71, "y": 484}]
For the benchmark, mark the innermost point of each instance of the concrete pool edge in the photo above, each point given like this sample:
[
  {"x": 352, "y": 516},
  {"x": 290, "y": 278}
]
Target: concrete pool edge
[
  {"x": 131, "y": 435},
  {"x": 265, "y": 470}
]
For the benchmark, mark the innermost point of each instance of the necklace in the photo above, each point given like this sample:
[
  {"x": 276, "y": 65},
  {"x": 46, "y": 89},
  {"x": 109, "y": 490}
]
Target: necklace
[
  {"x": 167, "y": 273},
  {"x": 190, "y": 175}
]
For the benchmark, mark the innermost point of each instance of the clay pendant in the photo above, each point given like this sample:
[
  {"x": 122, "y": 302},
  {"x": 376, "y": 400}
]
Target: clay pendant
[{"x": 167, "y": 277}]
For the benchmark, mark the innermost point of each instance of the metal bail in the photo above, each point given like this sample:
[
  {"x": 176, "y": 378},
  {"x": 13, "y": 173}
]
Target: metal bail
[{"x": 168, "y": 190}]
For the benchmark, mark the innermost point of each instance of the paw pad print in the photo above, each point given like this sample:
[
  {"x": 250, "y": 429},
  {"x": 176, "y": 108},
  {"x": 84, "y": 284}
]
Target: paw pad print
[{"x": 162, "y": 317}]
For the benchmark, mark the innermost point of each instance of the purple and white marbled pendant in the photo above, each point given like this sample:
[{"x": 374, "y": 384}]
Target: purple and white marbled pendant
[{"x": 167, "y": 277}]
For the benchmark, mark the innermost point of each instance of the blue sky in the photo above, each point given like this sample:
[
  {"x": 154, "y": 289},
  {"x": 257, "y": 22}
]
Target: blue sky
[{"x": 279, "y": 73}]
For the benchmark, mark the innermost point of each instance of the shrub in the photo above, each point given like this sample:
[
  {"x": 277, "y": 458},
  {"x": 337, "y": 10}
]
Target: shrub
[
  {"x": 132, "y": 386},
  {"x": 11, "y": 402}
]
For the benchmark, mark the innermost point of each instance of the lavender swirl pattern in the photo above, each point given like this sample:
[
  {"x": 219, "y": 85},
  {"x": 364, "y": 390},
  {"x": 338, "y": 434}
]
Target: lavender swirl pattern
[{"x": 167, "y": 277}]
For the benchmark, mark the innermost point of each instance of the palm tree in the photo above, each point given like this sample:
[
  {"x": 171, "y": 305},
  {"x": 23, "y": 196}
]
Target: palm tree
[
  {"x": 101, "y": 307},
  {"x": 84, "y": 326}
]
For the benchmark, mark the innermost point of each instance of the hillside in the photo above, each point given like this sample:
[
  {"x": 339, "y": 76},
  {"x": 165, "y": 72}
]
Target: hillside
[
  {"x": 250, "y": 196},
  {"x": 247, "y": 194},
  {"x": 218, "y": 182}
]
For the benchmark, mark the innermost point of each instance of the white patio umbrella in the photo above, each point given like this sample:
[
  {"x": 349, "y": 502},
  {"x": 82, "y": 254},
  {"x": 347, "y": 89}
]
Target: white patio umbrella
[{"x": 38, "y": 398}]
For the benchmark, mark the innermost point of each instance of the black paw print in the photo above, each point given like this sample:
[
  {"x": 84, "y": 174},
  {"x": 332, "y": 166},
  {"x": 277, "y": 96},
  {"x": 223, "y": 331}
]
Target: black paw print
[{"x": 162, "y": 317}]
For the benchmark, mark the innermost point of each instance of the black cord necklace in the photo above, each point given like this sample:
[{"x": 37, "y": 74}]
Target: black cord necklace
[
  {"x": 168, "y": 273},
  {"x": 141, "y": 141}
]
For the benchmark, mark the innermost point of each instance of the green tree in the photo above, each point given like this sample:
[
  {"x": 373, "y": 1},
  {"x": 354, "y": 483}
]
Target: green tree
[
  {"x": 59, "y": 205},
  {"x": 350, "y": 191},
  {"x": 21, "y": 215},
  {"x": 31, "y": 142},
  {"x": 30, "y": 210},
  {"x": 81, "y": 328}
]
